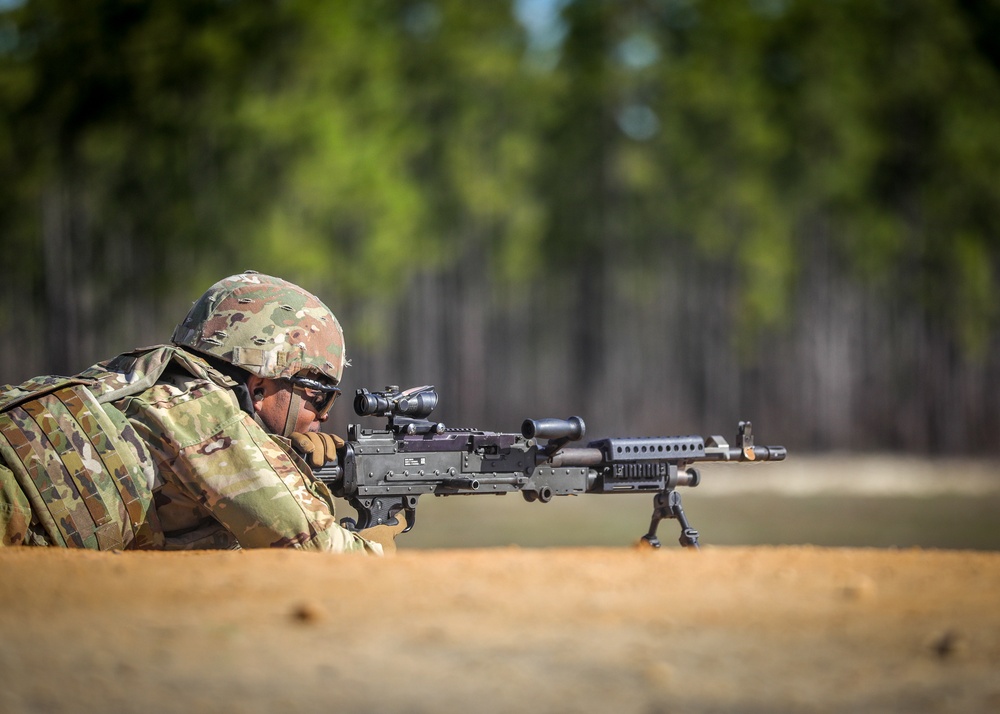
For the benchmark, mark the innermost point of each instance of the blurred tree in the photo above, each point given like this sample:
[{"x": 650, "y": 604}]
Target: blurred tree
[
  {"x": 120, "y": 156},
  {"x": 778, "y": 204}
]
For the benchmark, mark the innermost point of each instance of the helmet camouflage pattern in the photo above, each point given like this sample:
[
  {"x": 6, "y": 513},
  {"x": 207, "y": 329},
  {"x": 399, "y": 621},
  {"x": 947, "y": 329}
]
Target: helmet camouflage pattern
[{"x": 268, "y": 326}]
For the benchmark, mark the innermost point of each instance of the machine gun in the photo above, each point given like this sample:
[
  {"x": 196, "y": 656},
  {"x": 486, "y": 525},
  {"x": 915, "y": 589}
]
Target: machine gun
[{"x": 384, "y": 471}]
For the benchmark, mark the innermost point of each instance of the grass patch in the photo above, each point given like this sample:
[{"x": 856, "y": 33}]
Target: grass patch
[{"x": 945, "y": 521}]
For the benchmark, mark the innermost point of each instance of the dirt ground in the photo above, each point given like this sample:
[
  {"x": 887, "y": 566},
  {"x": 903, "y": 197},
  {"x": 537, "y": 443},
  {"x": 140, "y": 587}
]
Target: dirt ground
[{"x": 748, "y": 629}]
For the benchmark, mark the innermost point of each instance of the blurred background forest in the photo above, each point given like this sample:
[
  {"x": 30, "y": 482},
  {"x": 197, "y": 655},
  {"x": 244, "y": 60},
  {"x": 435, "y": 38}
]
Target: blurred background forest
[{"x": 662, "y": 215}]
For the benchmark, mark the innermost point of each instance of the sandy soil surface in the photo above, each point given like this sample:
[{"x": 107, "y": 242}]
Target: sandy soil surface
[{"x": 762, "y": 629}]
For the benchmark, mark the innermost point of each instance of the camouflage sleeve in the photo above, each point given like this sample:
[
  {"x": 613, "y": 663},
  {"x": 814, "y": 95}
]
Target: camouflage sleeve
[{"x": 255, "y": 486}]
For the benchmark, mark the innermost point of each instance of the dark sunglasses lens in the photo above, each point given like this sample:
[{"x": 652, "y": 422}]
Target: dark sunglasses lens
[
  {"x": 322, "y": 401},
  {"x": 325, "y": 400}
]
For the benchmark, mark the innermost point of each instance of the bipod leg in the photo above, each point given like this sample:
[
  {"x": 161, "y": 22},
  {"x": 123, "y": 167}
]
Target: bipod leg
[
  {"x": 689, "y": 536},
  {"x": 668, "y": 505}
]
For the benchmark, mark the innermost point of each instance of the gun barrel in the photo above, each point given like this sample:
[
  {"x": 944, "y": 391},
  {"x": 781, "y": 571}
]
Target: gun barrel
[
  {"x": 770, "y": 453},
  {"x": 590, "y": 456},
  {"x": 574, "y": 456},
  {"x": 733, "y": 453}
]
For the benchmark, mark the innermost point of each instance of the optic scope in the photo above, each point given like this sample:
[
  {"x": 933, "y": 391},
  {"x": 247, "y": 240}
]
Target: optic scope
[{"x": 416, "y": 402}]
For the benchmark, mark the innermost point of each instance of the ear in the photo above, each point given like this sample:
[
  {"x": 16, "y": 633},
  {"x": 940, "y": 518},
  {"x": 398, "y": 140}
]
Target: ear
[{"x": 255, "y": 385}]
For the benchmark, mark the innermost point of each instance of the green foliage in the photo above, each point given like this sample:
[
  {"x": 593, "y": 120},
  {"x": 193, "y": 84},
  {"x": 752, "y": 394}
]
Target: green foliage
[
  {"x": 351, "y": 145},
  {"x": 404, "y": 132},
  {"x": 125, "y": 110}
]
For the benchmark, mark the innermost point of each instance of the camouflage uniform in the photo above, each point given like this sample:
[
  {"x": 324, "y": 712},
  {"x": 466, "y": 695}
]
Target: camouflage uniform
[
  {"x": 73, "y": 471},
  {"x": 222, "y": 481}
]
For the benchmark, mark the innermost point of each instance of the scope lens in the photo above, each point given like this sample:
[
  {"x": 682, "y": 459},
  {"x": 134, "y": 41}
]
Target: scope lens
[{"x": 367, "y": 404}]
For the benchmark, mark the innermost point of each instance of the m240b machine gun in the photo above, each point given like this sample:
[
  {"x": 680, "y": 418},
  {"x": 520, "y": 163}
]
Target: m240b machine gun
[{"x": 383, "y": 472}]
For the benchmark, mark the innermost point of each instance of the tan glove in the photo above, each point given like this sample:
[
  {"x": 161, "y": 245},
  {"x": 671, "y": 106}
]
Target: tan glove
[
  {"x": 317, "y": 448},
  {"x": 385, "y": 535}
]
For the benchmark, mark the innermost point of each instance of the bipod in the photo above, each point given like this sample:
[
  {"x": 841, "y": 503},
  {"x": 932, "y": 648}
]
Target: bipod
[{"x": 668, "y": 505}]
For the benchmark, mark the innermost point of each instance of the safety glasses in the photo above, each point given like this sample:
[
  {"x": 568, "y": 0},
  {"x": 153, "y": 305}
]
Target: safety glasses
[{"x": 320, "y": 395}]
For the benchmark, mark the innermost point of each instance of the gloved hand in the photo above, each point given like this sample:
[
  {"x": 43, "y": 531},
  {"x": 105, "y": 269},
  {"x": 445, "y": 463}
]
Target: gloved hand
[
  {"x": 385, "y": 534},
  {"x": 317, "y": 448}
]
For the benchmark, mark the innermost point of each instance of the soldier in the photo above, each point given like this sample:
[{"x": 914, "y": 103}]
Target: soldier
[{"x": 211, "y": 420}]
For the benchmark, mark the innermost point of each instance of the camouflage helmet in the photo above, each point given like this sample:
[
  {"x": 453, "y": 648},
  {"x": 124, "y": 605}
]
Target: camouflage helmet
[{"x": 267, "y": 326}]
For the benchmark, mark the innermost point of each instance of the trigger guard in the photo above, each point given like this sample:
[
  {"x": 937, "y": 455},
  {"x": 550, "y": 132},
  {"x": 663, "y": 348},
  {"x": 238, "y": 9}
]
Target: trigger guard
[
  {"x": 393, "y": 517},
  {"x": 375, "y": 511}
]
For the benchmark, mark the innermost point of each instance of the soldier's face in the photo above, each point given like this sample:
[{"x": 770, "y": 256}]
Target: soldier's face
[{"x": 272, "y": 399}]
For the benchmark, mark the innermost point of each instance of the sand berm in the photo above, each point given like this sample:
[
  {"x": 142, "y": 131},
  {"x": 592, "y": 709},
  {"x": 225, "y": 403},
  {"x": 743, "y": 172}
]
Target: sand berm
[{"x": 749, "y": 629}]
